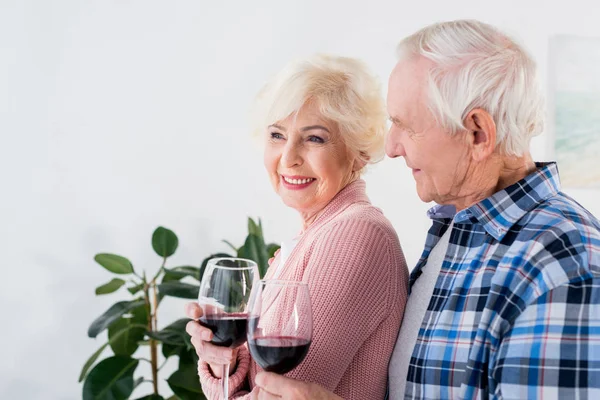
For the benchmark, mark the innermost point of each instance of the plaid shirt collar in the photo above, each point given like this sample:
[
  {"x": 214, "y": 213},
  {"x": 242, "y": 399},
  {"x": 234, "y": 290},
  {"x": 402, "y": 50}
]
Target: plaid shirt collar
[{"x": 499, "y": 212}]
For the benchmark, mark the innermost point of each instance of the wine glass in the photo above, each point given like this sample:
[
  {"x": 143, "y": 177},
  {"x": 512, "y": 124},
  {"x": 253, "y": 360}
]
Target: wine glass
[
  {"x": 280, "y": 324},
  {"x": 224, "y": 295}
]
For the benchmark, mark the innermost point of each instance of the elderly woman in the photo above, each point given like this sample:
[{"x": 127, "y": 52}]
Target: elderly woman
[{"x": 323, "y": 121}]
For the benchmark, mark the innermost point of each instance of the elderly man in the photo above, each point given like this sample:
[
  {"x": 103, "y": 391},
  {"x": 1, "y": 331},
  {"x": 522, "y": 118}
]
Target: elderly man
[{"x": 505, "y": 300}]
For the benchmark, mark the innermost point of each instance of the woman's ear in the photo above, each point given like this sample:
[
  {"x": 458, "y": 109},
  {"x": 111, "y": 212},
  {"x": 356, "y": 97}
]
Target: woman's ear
[
  {"x": 360, "y": 162},
  {"x": 481, "y": 133}
]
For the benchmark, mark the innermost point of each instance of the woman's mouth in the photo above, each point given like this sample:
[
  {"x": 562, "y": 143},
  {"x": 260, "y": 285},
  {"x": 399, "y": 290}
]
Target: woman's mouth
[{"x": 296, "y": 182}]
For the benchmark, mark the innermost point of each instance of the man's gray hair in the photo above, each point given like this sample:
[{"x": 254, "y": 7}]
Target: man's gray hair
[{"x": 477, "y": 66}]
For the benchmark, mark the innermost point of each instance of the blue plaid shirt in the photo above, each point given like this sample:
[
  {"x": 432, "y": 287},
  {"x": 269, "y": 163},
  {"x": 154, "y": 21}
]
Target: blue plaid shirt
[{"x": 515, "y": 312}]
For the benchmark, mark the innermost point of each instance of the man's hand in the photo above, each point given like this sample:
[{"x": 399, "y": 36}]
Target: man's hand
[{"x": 271, "y": 386}]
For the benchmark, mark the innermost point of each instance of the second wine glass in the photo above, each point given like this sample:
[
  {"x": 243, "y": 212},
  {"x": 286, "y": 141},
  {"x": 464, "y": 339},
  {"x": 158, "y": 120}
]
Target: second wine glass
[{"x": 280, "y": 324}]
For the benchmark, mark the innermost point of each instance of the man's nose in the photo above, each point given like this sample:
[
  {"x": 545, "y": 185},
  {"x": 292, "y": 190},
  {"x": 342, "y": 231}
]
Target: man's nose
[{"x": 393, "y": 144}]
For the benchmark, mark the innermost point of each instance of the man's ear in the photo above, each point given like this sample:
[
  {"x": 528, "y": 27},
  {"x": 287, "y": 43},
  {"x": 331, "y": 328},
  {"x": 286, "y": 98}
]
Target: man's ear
[{"x": 481, "y": 133}]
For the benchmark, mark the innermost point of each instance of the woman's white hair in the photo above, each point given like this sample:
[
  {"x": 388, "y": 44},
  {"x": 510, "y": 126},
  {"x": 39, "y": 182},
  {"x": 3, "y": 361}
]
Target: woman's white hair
[
  {"x": 345, "y": 92},
  {"x": 477, "y": 66}
]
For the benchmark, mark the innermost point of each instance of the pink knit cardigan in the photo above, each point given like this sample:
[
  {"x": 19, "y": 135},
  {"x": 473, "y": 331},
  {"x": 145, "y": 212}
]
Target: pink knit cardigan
[{"x": 352, "y": 261}]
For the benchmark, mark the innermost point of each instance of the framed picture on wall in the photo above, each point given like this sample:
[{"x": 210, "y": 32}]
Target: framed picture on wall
[{"x": 575, "y": 93}]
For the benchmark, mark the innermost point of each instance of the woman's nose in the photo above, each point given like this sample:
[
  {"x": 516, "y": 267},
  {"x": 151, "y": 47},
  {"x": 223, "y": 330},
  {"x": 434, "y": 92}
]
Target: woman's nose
[{"x": 292, "y": 155}]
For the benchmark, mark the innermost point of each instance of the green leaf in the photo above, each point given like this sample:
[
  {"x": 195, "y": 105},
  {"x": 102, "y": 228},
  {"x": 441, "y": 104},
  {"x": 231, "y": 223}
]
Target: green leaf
[
  {"x": 169, "y": 350},
  {"x": 181, "y": 272},
  {"x": 114, "y": 263},
  {"x": 172, "y": 276},
  {"x": 136, "y": 288},
  {"x": 272, "y": 248},
  {"x": 173, "y": 334},
  {"x": 138, "y": 382},
  {"x": 255, "y": 249},
  {"x": 126, "y": 343},
  {"x": 94, "y": 356},
  {"x": 185, "y": 383},
  {"x": 111, "y": 315},
  {"x": 111, "y": 379},
  {"x": 110, "y": 287},
  {"x": 253, "y": 229},
  {"x": 179, "y": 289},
  {"x": 164, "y": 242},
  {"x": 153, "y": 397},
  {"x": 91, "y": 361},
  {"x": 228, "y": 243},
  {"x": 188, "y": 357}
]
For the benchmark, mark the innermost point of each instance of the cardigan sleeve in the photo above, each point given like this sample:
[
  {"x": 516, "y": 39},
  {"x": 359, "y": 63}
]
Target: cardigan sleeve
[{"x": 211, "y": 386}]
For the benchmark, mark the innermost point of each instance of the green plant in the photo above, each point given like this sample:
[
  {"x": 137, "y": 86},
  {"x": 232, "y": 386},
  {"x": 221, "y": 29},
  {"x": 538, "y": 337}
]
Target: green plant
[{"x": 133, "y": 323}]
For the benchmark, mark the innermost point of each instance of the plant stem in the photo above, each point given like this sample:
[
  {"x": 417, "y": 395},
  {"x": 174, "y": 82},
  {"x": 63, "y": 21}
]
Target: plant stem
[
  {"x": 153, "y": 322},
  {"x": 155, "y": 315},
  {"x": 161, "y": 269},
  {"x": 152, "y": 341},
  {"x": 153, "y": 346}
]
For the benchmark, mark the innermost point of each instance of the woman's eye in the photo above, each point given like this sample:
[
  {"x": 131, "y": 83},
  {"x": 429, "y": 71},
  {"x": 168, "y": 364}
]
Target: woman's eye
[
  {"x": 276, "y": 135},
  {"x": 316, "y": 139}
]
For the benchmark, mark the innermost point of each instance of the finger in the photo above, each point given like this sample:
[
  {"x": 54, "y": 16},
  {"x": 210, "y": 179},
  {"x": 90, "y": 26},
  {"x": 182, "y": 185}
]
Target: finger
[
  {"x": 206, "y": 351},
  {"x": 211, "y": 309},
  {"x": 274, "y": 384},
  {"x": 262, "y": 394},
  {"x": 193, "y": 310},
  {"x": 194, "y": 329},
  {"x": 211, "y": 353},
  {"x": 220, "y": 361}
]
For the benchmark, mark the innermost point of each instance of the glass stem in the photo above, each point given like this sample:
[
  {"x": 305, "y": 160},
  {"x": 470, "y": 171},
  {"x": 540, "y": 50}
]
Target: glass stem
[{"x": 225, "y": 381}]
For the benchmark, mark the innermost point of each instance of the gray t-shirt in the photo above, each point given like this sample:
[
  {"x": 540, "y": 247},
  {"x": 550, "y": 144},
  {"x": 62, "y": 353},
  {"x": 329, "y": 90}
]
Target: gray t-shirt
[{"x": 415, "y": 310}]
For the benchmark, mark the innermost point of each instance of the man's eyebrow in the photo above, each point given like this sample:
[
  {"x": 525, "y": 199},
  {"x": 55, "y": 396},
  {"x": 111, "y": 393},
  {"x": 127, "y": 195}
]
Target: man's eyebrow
[
  {"x": 396, "y": 121},
  {"x": 402, "y": 124},
  {"x": 311, "y": 127}
]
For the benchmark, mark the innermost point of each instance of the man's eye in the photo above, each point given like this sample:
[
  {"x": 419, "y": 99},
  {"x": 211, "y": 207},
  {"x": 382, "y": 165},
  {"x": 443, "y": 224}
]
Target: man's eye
[{"x": 316, "y": 139}]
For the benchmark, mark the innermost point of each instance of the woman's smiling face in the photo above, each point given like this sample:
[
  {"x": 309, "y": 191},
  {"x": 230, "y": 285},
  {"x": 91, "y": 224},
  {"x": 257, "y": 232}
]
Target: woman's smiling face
[{"x": 307, "y": 160}]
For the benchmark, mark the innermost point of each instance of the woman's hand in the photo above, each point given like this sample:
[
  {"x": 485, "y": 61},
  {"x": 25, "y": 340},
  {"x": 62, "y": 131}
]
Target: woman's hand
[
  {"x": 270, "y": 386},
  {"x": 215, "y": 356}
]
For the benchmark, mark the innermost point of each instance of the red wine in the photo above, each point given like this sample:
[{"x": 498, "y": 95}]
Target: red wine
[
  {"x": 229, "y": 330},
  {"x": 278, "y": 354}
]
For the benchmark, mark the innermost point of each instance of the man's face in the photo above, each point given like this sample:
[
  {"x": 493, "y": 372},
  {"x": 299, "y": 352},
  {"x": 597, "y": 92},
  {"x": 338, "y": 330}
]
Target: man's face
[{"x": 439, "y": 161}]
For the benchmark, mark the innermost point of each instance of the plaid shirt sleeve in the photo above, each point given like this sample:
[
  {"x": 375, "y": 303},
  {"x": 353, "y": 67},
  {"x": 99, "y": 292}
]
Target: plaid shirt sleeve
[{"x": 552, "y": 349}]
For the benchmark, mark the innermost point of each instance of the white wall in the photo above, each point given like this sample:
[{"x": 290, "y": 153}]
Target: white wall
[{"x": 119, "y": 116}]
